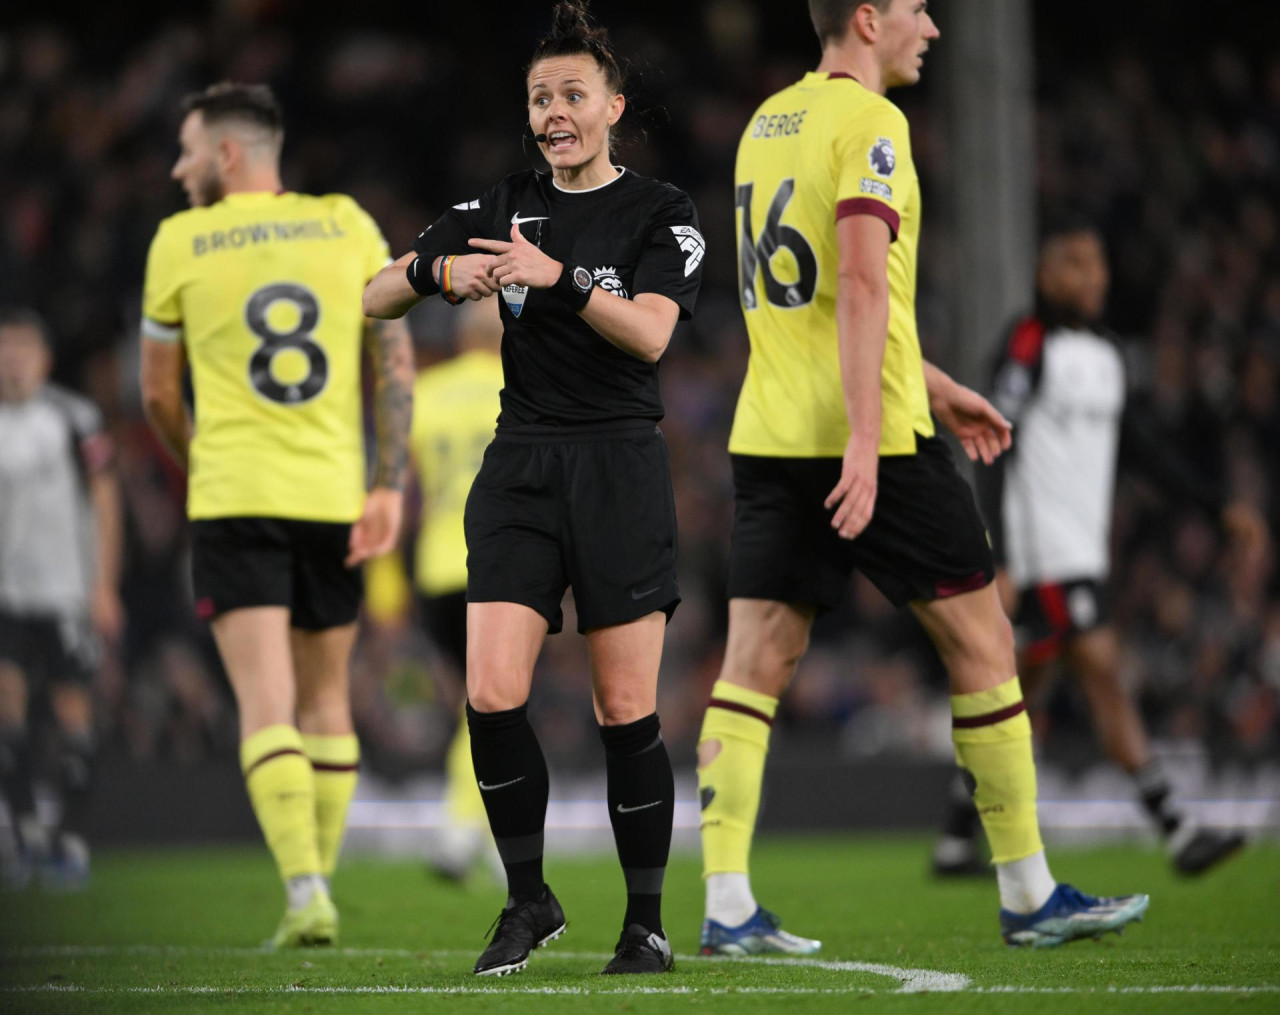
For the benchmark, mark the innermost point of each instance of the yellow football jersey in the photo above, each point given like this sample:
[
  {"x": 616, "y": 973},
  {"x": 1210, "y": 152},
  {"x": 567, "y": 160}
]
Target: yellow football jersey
[
  {"x": 821, "y": 149},
  {"x": 264, "y": 290},
  {"x": 455, "y": 409}
]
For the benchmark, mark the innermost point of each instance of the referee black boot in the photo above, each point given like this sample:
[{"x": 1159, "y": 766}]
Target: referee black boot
[
  {"x": 640, "y": 951},
  {"x": 519, "y": 929}
]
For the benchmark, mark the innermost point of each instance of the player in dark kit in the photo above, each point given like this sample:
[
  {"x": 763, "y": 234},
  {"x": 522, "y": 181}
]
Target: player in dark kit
[{"x": 595, "y": 265}]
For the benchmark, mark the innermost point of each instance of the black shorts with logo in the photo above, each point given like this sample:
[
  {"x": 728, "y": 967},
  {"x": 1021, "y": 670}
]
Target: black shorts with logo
[
  {"x": 1051, "y": 614},
  {"x": 49, "y": 649},
  {"x": 242, "y": 562},
  {"x": 591, "y": 509},
  {"x": 925, "y": 539}
]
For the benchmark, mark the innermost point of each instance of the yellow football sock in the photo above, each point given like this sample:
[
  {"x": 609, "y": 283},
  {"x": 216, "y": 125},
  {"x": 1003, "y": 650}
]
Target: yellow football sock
[
  {"x": 463, "y": 803},
  {"x": 992, "y": 736},
  {"x": 334, "y": 760},
  {"x": 282, "y": 790},
  {"x": 729, "y": 787}
]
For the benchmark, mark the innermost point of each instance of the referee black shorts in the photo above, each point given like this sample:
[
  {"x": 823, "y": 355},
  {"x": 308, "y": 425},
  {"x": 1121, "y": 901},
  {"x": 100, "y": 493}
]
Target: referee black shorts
[
  {"x": 589, "y": 510},
  {"x": 242, "y": 562},
  {"x": 925, "y": 539}
]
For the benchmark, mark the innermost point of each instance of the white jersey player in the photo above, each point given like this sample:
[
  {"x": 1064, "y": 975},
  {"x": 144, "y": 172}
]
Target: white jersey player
[{"x": 1060, "y": 378}]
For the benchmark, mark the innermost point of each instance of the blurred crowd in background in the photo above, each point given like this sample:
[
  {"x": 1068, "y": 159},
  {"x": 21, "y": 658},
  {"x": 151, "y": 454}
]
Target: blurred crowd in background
[{"x": 1172, "y": 148}]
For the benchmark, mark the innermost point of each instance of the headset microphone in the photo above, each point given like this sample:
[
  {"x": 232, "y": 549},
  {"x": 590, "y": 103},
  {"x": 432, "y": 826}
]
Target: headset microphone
[{"x": 525, "y": 138}]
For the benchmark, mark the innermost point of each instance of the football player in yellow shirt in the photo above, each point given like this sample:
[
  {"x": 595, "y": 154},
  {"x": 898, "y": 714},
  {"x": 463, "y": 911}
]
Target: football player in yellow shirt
[
  {"x": 258, "y": 289},
  {"x": 836, "y": 466},
  {"x": 457, "y": 408}
]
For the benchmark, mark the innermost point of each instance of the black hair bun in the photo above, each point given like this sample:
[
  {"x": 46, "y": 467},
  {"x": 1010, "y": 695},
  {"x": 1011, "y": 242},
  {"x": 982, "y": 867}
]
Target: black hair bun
[{"x": 570, "y": 19}]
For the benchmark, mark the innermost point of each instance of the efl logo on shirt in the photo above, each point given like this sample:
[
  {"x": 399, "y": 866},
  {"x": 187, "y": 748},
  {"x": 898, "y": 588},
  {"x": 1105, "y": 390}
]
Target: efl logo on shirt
[{"x": 692, "y": 243}]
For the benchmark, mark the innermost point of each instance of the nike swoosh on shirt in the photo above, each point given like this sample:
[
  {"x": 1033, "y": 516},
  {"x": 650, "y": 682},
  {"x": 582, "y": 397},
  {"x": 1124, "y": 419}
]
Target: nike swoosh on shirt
[
  {"x": 500, "y": 785},
  {"x": 643, "y": 807},
  {"x": 517, "y": 220},
  {"x": 648, "y": 592}
]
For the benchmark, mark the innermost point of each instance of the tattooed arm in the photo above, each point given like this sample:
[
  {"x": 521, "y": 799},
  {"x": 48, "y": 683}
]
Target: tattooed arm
[{"x": 391, "y": 351}]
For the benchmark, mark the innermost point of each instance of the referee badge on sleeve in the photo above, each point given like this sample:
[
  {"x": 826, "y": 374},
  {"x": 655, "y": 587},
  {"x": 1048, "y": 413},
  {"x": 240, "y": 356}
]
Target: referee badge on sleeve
[{"x": 514, "y": 296}]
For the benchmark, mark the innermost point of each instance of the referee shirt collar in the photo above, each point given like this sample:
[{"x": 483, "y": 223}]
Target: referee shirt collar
[{"x": 622, "y": 171}]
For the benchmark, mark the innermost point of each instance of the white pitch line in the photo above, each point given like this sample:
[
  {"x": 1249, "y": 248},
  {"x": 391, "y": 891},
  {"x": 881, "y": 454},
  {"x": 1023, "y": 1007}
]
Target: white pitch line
[
  {"x": 910, "y": 981},
  {"x": 196, "y": 990}
]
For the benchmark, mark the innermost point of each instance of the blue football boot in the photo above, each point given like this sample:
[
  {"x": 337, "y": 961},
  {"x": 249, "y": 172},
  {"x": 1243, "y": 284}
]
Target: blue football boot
[
  {"x": 1068, "y": 915},
  {"x": 761, "y": 935}
]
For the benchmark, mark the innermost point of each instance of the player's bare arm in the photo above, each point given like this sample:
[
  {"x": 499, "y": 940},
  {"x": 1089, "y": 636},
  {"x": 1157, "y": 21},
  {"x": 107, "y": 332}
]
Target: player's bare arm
[
  {"x": 982, "y": 431},
  {"x": 163, "y": 367},
  {"x": 105, "y": 608},
  {"x": 389, "y": 293},
  {"x": 641, "y": 327},
  {"x": 391, "y": 350},
  {"x": 862, "y": 327}
]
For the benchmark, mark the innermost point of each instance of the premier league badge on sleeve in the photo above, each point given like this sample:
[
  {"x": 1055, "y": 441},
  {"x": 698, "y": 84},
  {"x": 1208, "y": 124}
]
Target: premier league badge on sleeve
[
  {"x": 608, "y": 279},
  {"x": 881, "y": 157}
]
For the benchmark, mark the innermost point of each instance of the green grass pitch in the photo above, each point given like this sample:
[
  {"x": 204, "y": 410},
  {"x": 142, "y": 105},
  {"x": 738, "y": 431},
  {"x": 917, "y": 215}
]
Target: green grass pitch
[{"x": 178, "y": 931}]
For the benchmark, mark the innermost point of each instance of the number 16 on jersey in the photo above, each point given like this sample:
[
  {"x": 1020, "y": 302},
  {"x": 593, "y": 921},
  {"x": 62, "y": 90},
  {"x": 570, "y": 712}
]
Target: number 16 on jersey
[{"x": 755, "y": 257}]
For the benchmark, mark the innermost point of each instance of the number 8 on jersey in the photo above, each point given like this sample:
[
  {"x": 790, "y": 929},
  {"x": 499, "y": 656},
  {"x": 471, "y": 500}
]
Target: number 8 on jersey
[{"x": 256, "y": 315}]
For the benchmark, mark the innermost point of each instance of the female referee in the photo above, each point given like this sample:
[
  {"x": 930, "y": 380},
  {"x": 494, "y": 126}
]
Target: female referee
[{"x": 595, "y": 265}]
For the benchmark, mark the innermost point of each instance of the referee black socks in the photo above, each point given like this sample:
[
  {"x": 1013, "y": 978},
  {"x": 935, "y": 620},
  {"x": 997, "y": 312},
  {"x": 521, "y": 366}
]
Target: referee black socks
[
  {"x": 641, "y": 808},
  {"x": 512, "y": 775}
]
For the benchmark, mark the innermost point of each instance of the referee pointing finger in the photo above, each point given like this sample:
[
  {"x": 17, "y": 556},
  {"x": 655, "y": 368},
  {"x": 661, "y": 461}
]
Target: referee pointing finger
[{"x": 594, "y": 265}]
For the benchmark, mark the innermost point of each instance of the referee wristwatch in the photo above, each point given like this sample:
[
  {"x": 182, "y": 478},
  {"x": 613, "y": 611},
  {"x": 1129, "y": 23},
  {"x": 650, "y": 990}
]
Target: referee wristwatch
[{"x": 574, "y": 286}]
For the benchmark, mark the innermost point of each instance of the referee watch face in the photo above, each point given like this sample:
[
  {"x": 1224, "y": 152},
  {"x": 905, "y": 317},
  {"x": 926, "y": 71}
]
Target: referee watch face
[{"x": 582, "y": 279}]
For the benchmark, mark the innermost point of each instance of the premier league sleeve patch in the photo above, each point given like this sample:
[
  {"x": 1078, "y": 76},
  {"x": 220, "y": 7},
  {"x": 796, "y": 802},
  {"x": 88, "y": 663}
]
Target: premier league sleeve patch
[{"x": 882, "y": 158}]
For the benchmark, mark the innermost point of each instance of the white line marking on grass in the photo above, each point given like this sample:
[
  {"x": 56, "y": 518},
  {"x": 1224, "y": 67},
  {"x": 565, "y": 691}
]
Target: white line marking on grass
[
  {"x": 57, "y": 988},
  {"x": 910, "y": 981}
]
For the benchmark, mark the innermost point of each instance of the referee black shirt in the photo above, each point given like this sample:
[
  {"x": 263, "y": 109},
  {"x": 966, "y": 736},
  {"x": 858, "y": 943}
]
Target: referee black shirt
[{"x": 634, "y": 234}]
